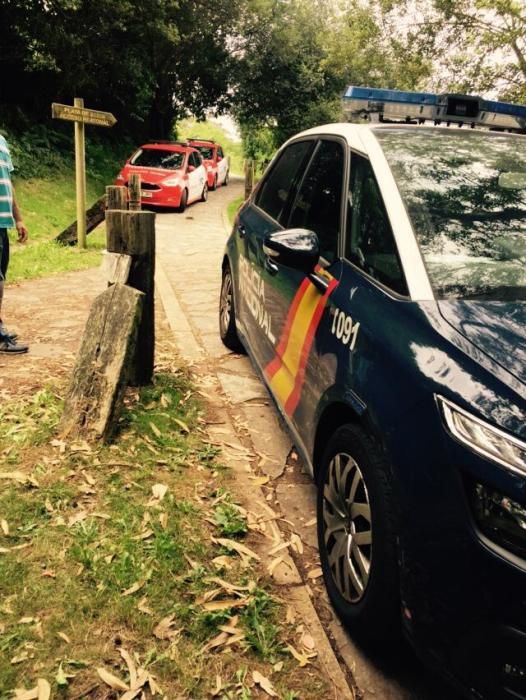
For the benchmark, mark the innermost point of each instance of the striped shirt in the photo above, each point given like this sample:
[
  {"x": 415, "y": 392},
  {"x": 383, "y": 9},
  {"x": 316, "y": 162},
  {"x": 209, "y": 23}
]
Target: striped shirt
[{"x": 6, "y": 193}]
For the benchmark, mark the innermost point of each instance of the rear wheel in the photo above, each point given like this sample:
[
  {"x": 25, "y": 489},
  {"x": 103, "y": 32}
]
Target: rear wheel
[
  {"x": 356, "y": 535},
  {"x": 184, "y": 201},
  {"x": 225, "y": 183},
  {"x": 204, "y": 193},
  {"x": 214, "y": 184},
  {"x": 227, "y": 314}
]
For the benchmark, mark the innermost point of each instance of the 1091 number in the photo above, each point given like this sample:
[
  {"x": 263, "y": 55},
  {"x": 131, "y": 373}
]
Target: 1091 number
[{"x": 344, "y": 328}]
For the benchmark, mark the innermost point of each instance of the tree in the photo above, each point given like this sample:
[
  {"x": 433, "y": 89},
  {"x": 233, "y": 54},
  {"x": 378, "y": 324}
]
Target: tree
[
  {"x": 280, "y": 82},
  {"x": 148, "y": 62},
  {"x": 475, "y": 46}
]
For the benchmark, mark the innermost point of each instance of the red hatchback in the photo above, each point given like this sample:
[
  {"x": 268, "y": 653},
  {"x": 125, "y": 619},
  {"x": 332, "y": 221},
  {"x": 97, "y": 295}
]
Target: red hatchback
[
  {"x": 172, "y": 174},
  {"x": 214, "y": 160}
]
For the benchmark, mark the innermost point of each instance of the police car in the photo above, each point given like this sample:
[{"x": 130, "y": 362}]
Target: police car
[{"x": 377, "y": 279}]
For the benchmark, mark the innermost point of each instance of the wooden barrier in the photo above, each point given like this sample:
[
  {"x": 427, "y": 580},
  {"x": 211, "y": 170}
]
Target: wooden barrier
[
  {"x": 94, "y": 217},
  {"x": 133, "y": 233},
  {"x": 119, "y": 339},
  {"x": 104, "y": 364}
]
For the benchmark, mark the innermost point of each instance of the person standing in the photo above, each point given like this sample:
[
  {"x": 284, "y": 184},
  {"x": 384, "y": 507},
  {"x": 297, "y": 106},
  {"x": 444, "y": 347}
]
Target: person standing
[{"x": 10, "y": 217}]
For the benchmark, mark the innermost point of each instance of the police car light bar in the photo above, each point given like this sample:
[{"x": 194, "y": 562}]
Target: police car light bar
[{"x": 401, "y": 105}]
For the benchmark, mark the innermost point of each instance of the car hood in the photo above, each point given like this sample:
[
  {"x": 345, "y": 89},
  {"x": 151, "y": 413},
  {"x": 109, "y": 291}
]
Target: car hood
[
  {"x": 152, "y": 175},
  {"x": 497, "y": 328}
]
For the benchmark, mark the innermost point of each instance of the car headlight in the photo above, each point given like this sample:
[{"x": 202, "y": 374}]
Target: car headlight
[
  {"x": 486, "y": 439},
  {"x": 172, "y": 181}
]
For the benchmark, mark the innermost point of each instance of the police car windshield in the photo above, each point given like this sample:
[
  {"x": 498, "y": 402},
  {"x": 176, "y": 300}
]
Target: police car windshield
[
  {"x": 465, "y": 192},
  {"x": 158, "y": 158}
]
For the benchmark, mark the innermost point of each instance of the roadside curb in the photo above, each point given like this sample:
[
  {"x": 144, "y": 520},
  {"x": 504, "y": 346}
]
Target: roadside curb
[{"x": 285, "y": 572}]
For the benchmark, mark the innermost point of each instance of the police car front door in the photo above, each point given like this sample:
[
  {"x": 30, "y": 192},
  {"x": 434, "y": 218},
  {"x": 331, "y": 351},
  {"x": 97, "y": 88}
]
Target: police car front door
[
  {"x": 260, "y": 309},
  {"x": 367, "y": 312},
  {"x": 292, "y": 373}
]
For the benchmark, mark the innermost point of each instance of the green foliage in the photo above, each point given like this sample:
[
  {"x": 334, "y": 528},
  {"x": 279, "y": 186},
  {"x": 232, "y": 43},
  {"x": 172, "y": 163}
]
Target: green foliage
[
  {"x": 262, "y": 628},
  {"x": 148, "y": 63},
  {"x": 474, "y": 46},
  {"x": 230, "y": 521},
  {"x": 280, "y": 80},
  {"x": 233, "y": 208}
]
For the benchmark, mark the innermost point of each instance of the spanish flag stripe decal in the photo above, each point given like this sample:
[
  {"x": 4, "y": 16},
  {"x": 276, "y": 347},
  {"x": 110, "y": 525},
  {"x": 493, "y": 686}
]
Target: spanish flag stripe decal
[
  {"x": 294, "y": 397},
  {"x": 286, "y": 372},
  {"x": 274, "y": 366}
]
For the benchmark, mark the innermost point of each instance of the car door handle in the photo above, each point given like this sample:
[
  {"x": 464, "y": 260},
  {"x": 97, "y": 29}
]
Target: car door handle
[
  {"x": 271, "y": 266},
  {"x": 242, "y": 231}
]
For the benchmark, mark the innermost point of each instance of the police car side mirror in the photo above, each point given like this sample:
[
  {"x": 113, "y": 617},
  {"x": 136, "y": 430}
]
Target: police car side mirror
[{"x": 297, "y": 248}]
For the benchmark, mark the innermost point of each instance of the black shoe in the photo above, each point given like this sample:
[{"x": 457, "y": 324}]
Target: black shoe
[
  {"x": 11, "y": 347},
  {"x": 4, "y": 333}
]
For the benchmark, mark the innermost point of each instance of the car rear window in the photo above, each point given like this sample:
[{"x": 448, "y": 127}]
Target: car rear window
[
  {"x": 206, "y": 151},
  {"x": 465, "y": 192},
  {"x": 158, "y": 158}
]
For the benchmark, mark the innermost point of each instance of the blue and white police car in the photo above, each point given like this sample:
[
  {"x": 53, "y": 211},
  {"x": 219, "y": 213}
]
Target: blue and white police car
[{"x": 377, "y": 279}]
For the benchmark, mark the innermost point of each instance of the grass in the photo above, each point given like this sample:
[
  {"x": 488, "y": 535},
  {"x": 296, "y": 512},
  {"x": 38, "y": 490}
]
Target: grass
[
  {"x": 233, "y": 207},
  {"x": 110, "y": 548},
  {"x": 48, "y": 207}
]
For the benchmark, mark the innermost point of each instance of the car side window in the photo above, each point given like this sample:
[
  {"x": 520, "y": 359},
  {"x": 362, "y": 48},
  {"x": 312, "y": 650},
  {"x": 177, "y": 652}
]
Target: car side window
[
  {"x": 318, "y": 203},
  {"x": 220, "y": 152},
  {"x": 370, "y": 242},
  {"x": 275, "y": 191}
]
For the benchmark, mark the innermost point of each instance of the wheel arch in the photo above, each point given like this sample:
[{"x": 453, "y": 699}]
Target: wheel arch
[{"x": 332, "y": 416}]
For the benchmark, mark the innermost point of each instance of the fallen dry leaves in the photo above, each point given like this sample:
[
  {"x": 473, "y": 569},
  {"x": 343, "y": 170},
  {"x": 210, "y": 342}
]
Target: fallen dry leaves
[
  {"x": 140, "y": 679},
  {"x": 264, "y": 684},
  {"x": 42, "y": 691}
]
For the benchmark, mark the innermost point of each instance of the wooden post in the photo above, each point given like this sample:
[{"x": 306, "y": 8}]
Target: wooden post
[
  {"x": 134, "y": 190},
  {"x": 80, "y": 172},
  {"x": 133, "y": 233},
  {"x": 249, "y": 177},
  {"x": 116, "y": 197},
  {"x": 104, "y": 363}
]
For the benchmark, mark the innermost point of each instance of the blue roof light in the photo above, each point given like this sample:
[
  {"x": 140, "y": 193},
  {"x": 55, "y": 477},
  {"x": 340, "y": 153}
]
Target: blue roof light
[{"x": 405, "y": 105}]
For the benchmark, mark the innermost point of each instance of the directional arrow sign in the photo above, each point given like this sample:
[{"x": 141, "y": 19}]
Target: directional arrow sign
[{"x": 80, "y": 114}]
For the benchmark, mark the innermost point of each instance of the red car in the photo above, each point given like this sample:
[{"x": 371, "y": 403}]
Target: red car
[
  {"x": 172, "y": 174},
  {"x": 215, "y": 161}
]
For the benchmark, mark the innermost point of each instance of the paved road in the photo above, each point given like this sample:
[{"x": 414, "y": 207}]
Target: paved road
[{"x": 189, "y": 252}]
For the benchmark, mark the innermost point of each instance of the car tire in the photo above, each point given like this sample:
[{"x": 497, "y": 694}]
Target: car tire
[
  {"x": 214, "y": 185},
  {"x": 184, "y": 201},
  {"x": 358, "y": 556},
  {"x": 225, "y": 182},
  {"x": 227, "y": 314},
  {"x": 204, "y": 193}
]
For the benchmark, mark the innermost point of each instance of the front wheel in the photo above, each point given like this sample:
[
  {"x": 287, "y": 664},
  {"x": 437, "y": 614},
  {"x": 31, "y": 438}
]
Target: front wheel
[
  {"x": 227, "y": 313},
  {"x": 225, "y": 182},
  {"x": 214, "y": 184},
  {"x": 184, "y": 201},
  {"x": 356, "y": 535},
  {"x": 204, "y": 193}
]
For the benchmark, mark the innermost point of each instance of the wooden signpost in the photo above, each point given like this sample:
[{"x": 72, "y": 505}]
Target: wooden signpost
[{"x": 79, "y": 115}]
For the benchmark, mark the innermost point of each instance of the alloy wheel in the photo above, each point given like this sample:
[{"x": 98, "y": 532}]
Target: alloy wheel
[
  {"x": 225, "y": 304},
  {"x": 347, "y": 527}
]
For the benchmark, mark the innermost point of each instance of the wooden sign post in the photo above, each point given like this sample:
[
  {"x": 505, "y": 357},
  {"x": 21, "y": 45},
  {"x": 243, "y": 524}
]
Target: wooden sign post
[{"x": 78, "y": 114}]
